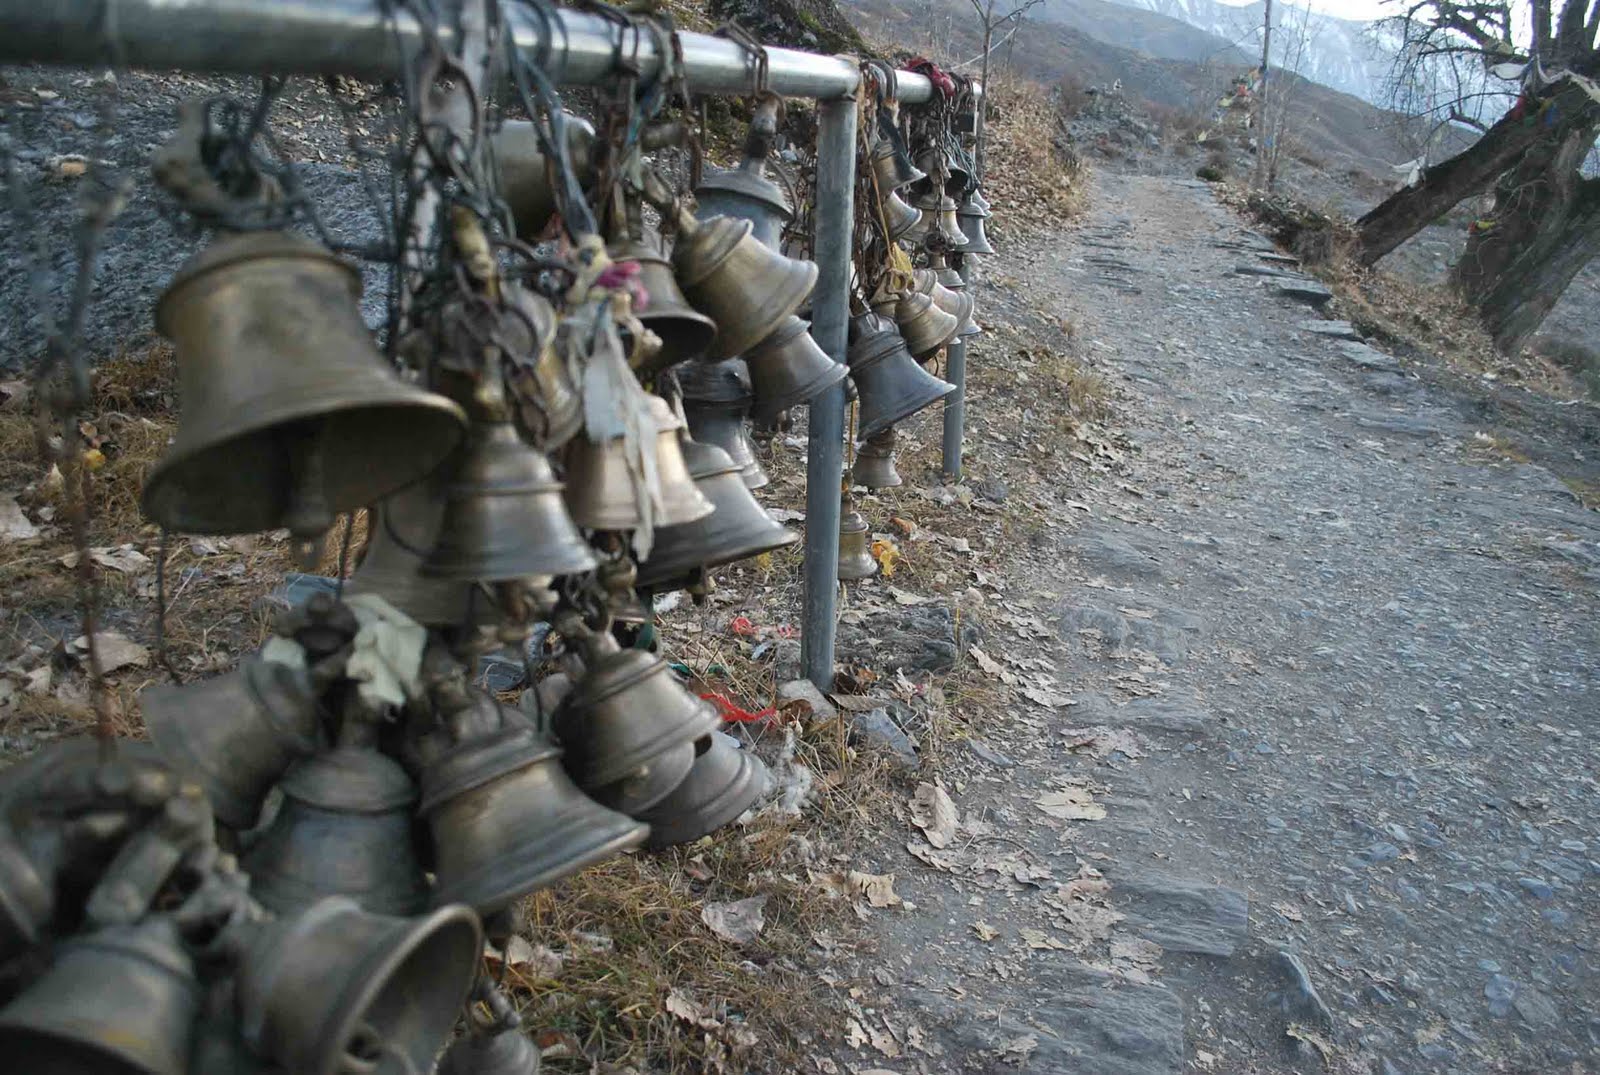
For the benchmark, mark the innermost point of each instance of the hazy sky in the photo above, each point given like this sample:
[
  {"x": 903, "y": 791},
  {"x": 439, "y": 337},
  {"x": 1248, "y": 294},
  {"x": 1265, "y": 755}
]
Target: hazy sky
[{"x": 1344, "y": 9}]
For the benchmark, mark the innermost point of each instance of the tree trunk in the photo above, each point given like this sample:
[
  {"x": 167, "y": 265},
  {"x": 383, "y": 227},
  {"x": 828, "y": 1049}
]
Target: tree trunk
[
  {"x": 1473, "y": 170},
  {"x": 1545, "y": 228}
]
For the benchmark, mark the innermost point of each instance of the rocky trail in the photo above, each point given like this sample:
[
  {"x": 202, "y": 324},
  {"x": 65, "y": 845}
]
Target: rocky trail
[{"x": 1298, "y": 771}]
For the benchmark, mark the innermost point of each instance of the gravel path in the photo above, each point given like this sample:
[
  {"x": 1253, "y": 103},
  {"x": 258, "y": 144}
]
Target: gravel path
[{"x": 1334, "y": 740}]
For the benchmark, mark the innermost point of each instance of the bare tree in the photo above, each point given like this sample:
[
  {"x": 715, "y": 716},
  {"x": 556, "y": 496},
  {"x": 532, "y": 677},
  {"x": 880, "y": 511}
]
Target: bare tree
[
  {"x": 1544, "y": 226},
  {"x": 1297, "y": 34},
  {"x": 991, "y": 22}
]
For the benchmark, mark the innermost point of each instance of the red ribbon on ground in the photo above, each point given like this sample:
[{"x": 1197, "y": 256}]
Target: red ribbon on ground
[{"x": 735, "y": 714}]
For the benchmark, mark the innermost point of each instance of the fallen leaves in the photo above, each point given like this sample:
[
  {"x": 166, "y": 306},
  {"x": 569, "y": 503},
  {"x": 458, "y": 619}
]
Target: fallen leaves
[
  {"x": 738, "y": 921},
  {"x": 1102, "y": 742},
  {"x": 14, "y": 525},
  {"x": 114, "y": 649},
  {"x": 123, "y": 558},
  {"x": 985, "y": 931},
  {"x": 876, "y": 888},
  {"x": 1071, "y": 804},
  {"x": 935, "y": 814}
]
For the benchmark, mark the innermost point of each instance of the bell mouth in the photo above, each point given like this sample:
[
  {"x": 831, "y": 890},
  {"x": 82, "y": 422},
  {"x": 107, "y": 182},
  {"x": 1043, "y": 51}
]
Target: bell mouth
[{"x": 644, "y": 787}]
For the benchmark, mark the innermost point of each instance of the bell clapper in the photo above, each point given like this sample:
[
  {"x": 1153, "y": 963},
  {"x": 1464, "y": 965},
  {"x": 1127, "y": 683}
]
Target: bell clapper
[{"x": 306, "y": 515}]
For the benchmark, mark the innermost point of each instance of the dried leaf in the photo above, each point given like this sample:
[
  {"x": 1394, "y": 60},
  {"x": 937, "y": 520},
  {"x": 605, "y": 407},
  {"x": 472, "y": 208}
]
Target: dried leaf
[
  {"x": 1017, "y": 1050},
  {"x": 15, "y": 526},
  {"x": 888, "y": 556},
  {"x": 934, "y": 813},
  {"x": 115, "y": 650},
  {"x": 1038, "y": 938},
  {"x": 739, "y": 921},
  {"x": 990, "y": 666},
  {"x": 1103, "y": 742},
  {"x": 876, "y": 888},
  {"x": 985, "y": 931},
  {"x": 1071, "y": 804},
  {"x": 1289, "y": 911}
]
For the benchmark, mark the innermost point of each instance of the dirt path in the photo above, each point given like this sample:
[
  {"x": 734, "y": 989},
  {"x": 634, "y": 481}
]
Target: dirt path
[{"x": 1333, "y": 663}]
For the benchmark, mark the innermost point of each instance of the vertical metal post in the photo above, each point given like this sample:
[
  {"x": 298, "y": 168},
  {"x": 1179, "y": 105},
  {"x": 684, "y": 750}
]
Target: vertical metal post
[
  {"x": 955, "y": 404},
  {"x": 830, "y": 314}
]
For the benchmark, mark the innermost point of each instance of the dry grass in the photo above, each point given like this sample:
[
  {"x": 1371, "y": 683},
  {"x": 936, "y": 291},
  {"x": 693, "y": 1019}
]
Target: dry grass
[{"x": 1033, "y": 179}]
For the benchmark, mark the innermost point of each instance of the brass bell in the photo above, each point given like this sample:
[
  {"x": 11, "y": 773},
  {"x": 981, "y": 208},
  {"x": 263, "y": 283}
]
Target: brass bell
[
  {"x": 855, "y": 552},
  {"x": 874, "y": 466},
  {"x": 924, "y": 326},
  {"x": 628, "y": 728},
  {"x": 745, "y": 192},
  {"x": 27, "y": 897},
  {"x": 235, "y": 734},
  {"x": 344, "y": 829},
  {"x": 548, "y": 409},
  {"x": 716, "y": 398},
  {"x": 900, "y": 217},
  {"x": 746, "y": 288},
  {"x": 893, "y": 166},
  {"x": 335, "y": 989},
  {"x": 526, "y": 174},
  {"x": 788, "y": 369},
  {"x": 600, "y": 490},
  {"x": 504, "y": 518},
  {"x": 938, "y": 219},
  {"x": 505, "y": 819},
  {"x": 970, "y": 218},
  {"x": 122, "y": 999},
  {"x": 891, "y": 384},
  {"x": 403, "y": 530},
  {"x": 724, "y": 783},
  {"x": 685, "y": 332},
  {"x": 936, "y": 159},
  {"x": 956, "y": 303},
  {"x": 504, "y": 1052},
  {"x": 738, "y": 529},
  {"x": 290, "y": 413}
]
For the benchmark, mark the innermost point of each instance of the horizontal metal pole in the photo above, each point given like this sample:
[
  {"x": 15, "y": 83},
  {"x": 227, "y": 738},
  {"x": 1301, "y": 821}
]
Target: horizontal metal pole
[{"x": 352, "y": 37}]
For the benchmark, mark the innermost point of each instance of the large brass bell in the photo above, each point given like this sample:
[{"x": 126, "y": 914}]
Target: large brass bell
[
  {"x": 505, "y": 818},
  {"x": 526, "y": 174},
  {"x": 335, "y": 990},
  {"x": 970, "y": 217},
  {"x": 600, "y": 490},
  {"x": 890, "y": 383},
  {"x": 738, "y": 529},
  {"x": 403, "y": 531},
  {"x": 120, "y": 1000},
  {"x": 628, "y": 728},
  {"x": 892, "y": 166},
  {"x": 716, "y": 398},
  {"x": 685, "y": 332},
  {"x": 344, "y": 829},
  {"x": 504, "y": 518},
  {"x": 855, "y": 547},
  {"x": 746, "y": 288},
  {"x": 745, "y": 192},
  {"x": 788, "y": 368},
  {"x": 290, "y": 413},
  {"x": 924, "y": 326},
  {"x": 938, "y": 226},
  {"x": 724, "y": 783},
  {"x": 547, "y": 409},
  {"x": 874, "y": 466},
  {"x": 235, "y": 734}
]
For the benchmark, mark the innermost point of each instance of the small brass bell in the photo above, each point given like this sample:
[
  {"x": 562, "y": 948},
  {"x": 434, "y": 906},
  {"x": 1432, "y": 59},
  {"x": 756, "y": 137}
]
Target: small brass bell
[
  {"x": 526, "y": 173},
  {"x": 855, "y": 552},
  {"x": 901, "y": 218},
  {"x": 788, "y": 369},
  {"x": 747, "y": 289},
  {"x": 290, "y": 414},
  {"x": 892, "y": 166},
  {"x": 924, "y": 326},
  {"x": 738, "y": 529},
  {"x": 503, "y": 1052},
  {"x": 600, "y": 490},
  {"x": 724, "y": 783},
  {"x": 936, "y": 159},
  {"x": 235, "y": 734},
  {"x": 874, "y": 466},
  {"x": 548, "y": 409},
  {"x": 506, "y": 819},
  {"x": 938, "y": 225},
  {"x": 716, "y": 398},
  {"x": 685, "y": 332},
  {"x": 628, "y": 728},
  {"x": 344, "y": 829},
  {"x": 618, "y": 579},
  {"x": 891, "y": 384},
  {"x": 404, "y": 530},
  {"x": 958, "y": 304},
  {"x": 970, "y": 218},
  {"x": 335, "y": 990},
  {"x": 504, "y": 518},
  {"x": 745, "y": 192},
  {"x": 120, "y": 1000}
]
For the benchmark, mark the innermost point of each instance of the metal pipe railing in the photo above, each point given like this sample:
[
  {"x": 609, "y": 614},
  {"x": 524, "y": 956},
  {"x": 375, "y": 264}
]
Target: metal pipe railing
[{"x": 357, "y": 38}]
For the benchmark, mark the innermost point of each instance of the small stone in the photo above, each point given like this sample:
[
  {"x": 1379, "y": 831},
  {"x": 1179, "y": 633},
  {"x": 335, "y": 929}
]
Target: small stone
[
  {"x": 803, "y": 690},
  {"x": 1575, "y": 846},
  {"x": 1380, "y": 852},
  {"x": 1377, "y": 994},
  {"x": 1387, "y": 1067},
  {"x": 1555, "y": 916},
  {"x": 1265, "y": 748},
  {"x": 876, "y": 729},
  {"x": 1532, "y": 835},
  {"x": 1276, "y": 823},
  {"x": 1408, "y": 893},
  {"x": 1539, "y": 890},
  {"x": 1536, "y": 1008},
  {"x": 1300, "y": 1000},
  {"x": 1490, "y": 965},
  {"x": 991, "y": 489},
  {"x": 989, "y": 754},
  {"x": 1500, "y": 991}
]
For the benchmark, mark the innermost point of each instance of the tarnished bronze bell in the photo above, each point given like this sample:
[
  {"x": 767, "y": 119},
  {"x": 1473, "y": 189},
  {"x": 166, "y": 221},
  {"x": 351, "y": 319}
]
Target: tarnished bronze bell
[
  {"x": 600, "y": 491},
  {"x": 685, "y": 332},
  {"x": 938, "y": 219},
  {"x": 900, "y": 218},
  {"x": 855, "y": 552},
  {"x": 344, "y": 829},
  {"x": 745, "y": 192},
  {"x": 747, "y": 289},
  {"x": 717, "y": 397},
  {"x": 874, "y": 466},
  {"x": 628, "y": 728},
  {"x": 504, "y": 517},
  {"x": 924, "y": 326},
  {"x": 526, "y": 180},
  {"x": 738, "y": 529},
  {"x": 935, "y": 160},
  {"x": 335, "y": 990},
  {"x": 956, "y": 303},
  {"x": 548, "y": 409},
  {"x": 970, "y": 218},
  {"x": 893, "y": 168},
  {"x": 505, "y": 819},
  {"x": 788, "y": 369},
  {"x": 403, "y": 530},
  {"x": 509, "y": 1051},
  {"x": 724, "y": 782},
  {"x": 890, "y": 383},
  {"x": 290, "y": 415},
  {"x": 235, "y": 734},
  {"x": 120, "y": 1000}
]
